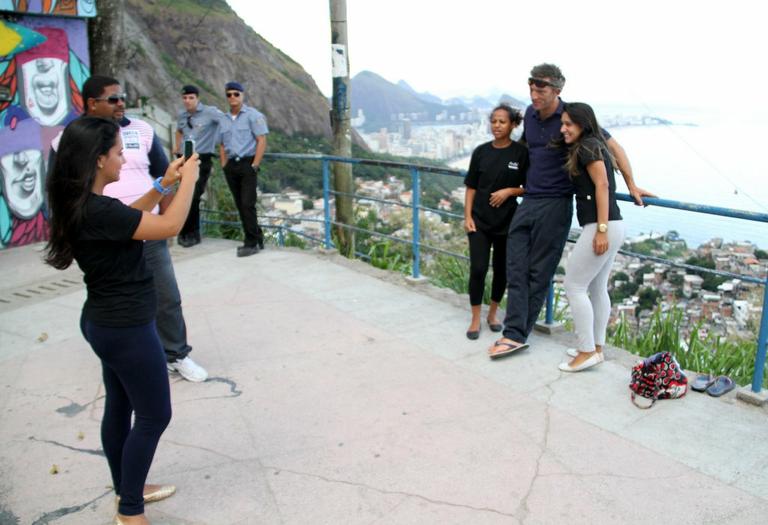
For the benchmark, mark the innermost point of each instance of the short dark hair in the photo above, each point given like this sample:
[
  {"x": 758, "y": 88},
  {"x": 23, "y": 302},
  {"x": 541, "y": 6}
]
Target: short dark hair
[
  {"x": 94, "y": 87},
  {"x": 515, "y": 117},
  {"x": 551, "y": 72}
]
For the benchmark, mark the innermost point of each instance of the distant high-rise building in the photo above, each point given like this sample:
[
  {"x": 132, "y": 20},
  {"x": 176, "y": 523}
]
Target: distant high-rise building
[
  {"x": 383, "y": 139},
  {"x": 406, "y": 129}
]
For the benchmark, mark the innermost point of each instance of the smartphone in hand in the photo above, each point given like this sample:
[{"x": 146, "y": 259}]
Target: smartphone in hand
[{"x": 189, "y": 148}]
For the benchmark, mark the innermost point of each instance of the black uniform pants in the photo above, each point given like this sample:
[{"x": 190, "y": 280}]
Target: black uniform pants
[
  {"x": 192, "y": 225},
  {"x": 241, "y": 178}
]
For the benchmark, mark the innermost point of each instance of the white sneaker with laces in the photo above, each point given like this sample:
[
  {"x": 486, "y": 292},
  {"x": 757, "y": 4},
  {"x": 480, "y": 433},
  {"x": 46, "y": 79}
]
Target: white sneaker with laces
[{"x": 189, "y": 370}]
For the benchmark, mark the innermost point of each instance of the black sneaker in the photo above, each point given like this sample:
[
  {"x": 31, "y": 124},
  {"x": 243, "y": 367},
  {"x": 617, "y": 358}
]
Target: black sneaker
[
  {"x": 245, "y": 251},
  {"x": 184, "y": 241}
]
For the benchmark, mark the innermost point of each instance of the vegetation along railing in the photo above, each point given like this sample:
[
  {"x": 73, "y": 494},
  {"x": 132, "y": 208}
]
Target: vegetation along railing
[{"x": 417, "y": 246}]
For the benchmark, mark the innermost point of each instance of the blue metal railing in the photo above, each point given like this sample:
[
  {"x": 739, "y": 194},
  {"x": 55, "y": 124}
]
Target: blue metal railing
[{"x": 416, "y": 244}]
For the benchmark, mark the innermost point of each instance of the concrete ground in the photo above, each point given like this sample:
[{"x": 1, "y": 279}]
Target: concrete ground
[{"x": 340, "y": 394}]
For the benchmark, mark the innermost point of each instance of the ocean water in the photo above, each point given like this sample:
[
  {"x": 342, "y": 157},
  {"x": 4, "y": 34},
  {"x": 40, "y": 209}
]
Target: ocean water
[{"x": 716, "y": 162}]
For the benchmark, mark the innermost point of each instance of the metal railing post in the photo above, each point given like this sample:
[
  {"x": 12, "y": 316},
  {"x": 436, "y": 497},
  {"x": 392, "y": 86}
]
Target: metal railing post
[
  {"x": 326, "y": 203},
  {"x": 280, "y": 237},
  {"x": 416, "y": 202},
  {"x": 549, "y": 315},
  {"x": 757, "y": 376}
]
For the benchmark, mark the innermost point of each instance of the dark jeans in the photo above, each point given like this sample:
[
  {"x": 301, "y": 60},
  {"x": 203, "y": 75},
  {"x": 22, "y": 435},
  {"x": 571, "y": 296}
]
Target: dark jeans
[
  {"x": 535, "y": 244},
  {"x": 135, "y": 381},
  {"x": 170, "y": 320},
  {"x": 192, "y": 225},
  {"x": 241, "y": 178},
  {"x": 480, "y": 244}
]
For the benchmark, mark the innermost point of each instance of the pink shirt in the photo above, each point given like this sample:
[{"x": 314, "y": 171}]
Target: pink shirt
[{"x": 135, "y": 179}]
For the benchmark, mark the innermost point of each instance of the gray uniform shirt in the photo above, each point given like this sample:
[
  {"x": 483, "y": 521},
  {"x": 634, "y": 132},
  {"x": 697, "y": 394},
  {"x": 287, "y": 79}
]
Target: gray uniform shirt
[
  {"x": 238, "y": 135},
  {"x": 202, "y": 126}
]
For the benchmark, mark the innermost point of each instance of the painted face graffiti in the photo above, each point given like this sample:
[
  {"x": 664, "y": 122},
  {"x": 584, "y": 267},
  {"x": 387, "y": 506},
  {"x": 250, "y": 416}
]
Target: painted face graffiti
[
  {"x": 46, "y": 97},
  {"x": 22, "y": 173}
]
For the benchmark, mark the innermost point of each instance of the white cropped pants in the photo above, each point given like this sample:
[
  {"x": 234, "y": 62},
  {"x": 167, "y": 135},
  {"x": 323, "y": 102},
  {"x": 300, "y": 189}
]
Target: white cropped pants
[{"x": 586, "y": 285}]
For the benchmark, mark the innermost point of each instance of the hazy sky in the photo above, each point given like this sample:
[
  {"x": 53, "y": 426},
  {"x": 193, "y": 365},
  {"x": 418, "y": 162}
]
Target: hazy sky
[{"x": 670, "y": 53}]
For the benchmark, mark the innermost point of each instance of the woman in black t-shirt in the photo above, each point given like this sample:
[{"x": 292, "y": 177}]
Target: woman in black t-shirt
[
  {"x": 105, "y": 237},
  {"x": 590, "y": 165},
  {"x": 494, "y": 181}
]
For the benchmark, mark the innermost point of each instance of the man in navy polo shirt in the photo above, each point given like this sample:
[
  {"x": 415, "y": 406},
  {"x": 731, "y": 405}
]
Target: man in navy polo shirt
[{"x": 540, "y": 226}]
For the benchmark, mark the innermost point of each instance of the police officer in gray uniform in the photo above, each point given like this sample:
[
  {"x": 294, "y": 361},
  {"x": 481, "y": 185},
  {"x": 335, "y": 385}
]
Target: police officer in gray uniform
[
  {"x": 243, "y": 131},
  {"x": 199, "y": 123}
]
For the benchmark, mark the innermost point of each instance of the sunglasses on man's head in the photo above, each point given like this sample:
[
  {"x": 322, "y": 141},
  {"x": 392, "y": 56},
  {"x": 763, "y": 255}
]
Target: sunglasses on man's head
[
  {"x": 113, "y": 99},
  {"x": 231, "y": 94},
  {"x": 540, "y": 83}
]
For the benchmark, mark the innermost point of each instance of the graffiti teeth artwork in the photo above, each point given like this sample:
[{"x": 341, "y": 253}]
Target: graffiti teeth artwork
[{"x": 43, "y": 64}]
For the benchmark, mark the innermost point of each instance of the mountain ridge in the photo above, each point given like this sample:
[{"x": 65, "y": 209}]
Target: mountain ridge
[{"x": 208, "y": 44}]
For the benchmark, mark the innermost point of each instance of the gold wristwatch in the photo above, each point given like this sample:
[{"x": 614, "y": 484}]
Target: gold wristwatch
[{"x": 602, "y": 227}]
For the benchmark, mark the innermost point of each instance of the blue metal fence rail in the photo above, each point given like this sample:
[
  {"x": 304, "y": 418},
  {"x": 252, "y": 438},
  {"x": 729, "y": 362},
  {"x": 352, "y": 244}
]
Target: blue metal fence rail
[{"x": 416, "y": 244}]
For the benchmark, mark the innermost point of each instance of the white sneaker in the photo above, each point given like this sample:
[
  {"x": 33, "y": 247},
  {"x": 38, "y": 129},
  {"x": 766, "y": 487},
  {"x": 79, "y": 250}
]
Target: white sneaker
[{"x": 189, "y": 370}]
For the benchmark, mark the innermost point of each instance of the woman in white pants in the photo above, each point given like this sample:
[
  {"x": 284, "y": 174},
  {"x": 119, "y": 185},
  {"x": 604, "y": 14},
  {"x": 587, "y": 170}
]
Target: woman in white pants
[{"x": 590, "y": 165}]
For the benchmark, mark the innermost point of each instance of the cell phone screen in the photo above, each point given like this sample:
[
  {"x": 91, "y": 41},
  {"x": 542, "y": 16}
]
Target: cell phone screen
[{"x": 189, "y": 148}]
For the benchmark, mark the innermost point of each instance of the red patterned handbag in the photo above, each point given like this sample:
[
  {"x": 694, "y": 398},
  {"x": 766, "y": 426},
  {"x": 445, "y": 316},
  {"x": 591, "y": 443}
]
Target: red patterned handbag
[{"x": 657, "y": 377}]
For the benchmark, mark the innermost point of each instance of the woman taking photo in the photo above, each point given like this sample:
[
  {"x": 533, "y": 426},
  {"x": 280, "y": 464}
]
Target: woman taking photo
[
  {"x": 590, "y": 166},
  {"x": 105, "y": 237},
  {"x": 495, "y": 178}
]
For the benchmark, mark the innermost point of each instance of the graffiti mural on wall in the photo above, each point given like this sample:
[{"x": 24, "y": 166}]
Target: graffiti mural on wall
[
  {"x": 43, "y": 64},
  {"x": 51, "y": 7}
]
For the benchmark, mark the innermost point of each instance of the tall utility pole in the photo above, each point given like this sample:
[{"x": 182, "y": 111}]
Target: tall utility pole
[{"x": 342, "y": 138}]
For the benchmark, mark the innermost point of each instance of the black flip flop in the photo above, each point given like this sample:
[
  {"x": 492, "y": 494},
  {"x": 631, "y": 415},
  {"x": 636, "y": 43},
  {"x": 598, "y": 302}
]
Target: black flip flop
[
  {"x": 473, "y": 334},
  {"x": 722, "y": 385},
  {"x": 510, "y": 347},
  {"x": 702, "y": 382}
]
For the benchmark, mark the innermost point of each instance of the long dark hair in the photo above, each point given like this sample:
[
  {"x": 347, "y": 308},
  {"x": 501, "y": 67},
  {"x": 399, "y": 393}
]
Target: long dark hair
[
  {"x": 583, "y": 116},
  {"x": 71, "y": 181}
]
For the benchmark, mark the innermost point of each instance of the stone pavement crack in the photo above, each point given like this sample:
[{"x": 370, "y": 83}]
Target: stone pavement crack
[
  {"x": 94, "y": 452},
  {"x": 523, "y": 505},
  {"x": 390, "y": 492},
  {"x": 271, "y": 492},
  {"x": 232, "y": 385},
  {"x": 48, "y": 517}
]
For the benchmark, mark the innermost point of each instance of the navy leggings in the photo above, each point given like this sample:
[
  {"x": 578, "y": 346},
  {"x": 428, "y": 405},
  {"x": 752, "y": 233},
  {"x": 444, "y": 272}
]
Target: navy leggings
[{"x": 135, "y": 380}]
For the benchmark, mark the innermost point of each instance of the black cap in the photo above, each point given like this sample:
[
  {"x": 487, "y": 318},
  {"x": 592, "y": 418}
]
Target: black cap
[{"x": 189, "y": 89}]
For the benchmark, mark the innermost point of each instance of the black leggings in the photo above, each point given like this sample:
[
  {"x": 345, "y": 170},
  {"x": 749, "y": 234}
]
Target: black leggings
[
  {"x": 135, "y": 380},
  {"x": 479, "y": 255}
]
